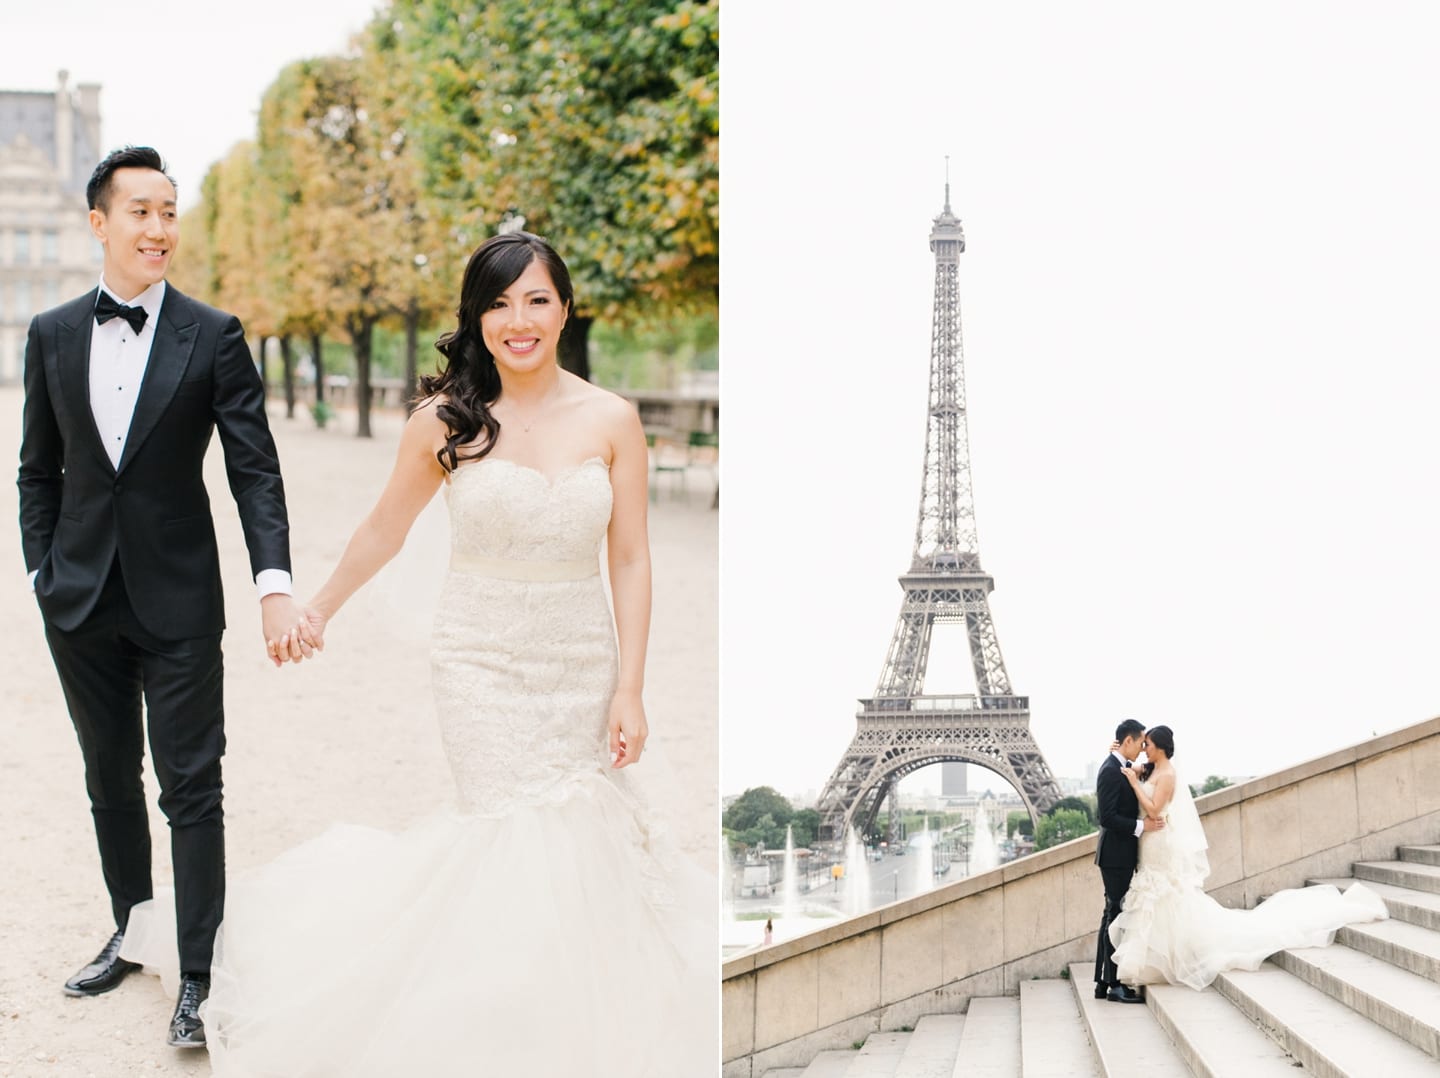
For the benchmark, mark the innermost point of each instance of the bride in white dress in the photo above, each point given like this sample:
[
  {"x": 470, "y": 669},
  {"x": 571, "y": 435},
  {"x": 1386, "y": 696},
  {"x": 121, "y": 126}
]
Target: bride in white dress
[
  {"x": 1171, "y": 931},
  {"x": 365, "y": 953}
]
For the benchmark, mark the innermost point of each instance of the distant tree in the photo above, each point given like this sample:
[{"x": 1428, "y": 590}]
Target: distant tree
[
  {"x": 1061, "y": 826},
  {"x": 765, "y": 831},
  {"x": 1021, "y": 822},
  {"x": 1211, "y": 784},
  {"x": 1076, "y": 804},
  {"x": 754, "y": 803},
  {"x": 806, "y": 823}
]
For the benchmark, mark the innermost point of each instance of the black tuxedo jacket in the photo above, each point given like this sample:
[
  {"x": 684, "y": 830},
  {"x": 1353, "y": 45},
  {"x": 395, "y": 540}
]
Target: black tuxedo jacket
[
  {"x": 78, "y": 511},
  {"x": 1119, "y": 811}
]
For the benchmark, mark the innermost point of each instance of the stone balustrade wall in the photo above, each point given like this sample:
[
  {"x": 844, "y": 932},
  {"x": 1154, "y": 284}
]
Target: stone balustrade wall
[{"x": 984, "y": 935}]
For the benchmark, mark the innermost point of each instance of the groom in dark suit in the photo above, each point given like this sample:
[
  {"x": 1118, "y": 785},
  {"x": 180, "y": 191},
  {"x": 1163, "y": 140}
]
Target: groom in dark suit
[
  {"x": 123, "y": 389},
  {"x": 1118, "y": 851}
]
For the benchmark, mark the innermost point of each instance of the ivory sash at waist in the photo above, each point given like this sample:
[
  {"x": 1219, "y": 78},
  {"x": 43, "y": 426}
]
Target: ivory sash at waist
[{"x": 513, "y": 569}]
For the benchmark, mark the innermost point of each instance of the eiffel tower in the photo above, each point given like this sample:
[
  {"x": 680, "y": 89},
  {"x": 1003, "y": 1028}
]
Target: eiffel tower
[{"x": 900, "y": 729}]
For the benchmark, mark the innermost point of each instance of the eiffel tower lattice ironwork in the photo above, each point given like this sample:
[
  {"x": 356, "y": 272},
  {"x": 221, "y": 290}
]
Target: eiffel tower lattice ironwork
[{"x": 900, "y": 729}]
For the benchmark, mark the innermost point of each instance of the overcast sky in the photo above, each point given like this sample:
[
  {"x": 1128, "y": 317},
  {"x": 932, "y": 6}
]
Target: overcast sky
[
  {"x": 1201, "y": 335},
  {"x": 181, "y": 76}
]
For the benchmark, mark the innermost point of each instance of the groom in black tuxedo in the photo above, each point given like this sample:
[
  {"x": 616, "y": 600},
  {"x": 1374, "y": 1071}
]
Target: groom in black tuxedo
[
  {"x": 123, "y": 389},
  {"x": 1118, "y": 851}
]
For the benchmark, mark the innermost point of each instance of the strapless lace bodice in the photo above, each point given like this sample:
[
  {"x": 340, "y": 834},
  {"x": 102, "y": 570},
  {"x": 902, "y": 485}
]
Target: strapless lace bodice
[
  {"x": 524, "y": 660},
  {"x": 503, "y": 510}
]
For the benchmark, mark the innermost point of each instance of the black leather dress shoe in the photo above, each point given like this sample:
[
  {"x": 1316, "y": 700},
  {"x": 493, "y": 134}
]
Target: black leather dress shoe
[
  {"x": 106, "y": 971},
  {"x": 1123, "y": 993},
  {"x": 1101, "y": 990},
  {"x": 186, "y": 1029}
]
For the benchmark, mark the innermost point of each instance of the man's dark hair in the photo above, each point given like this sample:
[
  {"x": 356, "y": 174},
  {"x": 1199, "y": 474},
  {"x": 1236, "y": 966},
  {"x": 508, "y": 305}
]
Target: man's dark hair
[
  {"x": 100, "y": 187},
  {"x": 1129, "y": 728}
]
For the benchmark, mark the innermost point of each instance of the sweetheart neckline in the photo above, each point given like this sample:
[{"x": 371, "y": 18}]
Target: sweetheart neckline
[{"x": 550, "y": 481}]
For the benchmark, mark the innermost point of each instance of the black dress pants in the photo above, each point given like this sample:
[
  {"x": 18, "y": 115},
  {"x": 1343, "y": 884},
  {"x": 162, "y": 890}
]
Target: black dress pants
[
  {"x": 1117, "y": 883},
  {"x": 107, "y": 667}
]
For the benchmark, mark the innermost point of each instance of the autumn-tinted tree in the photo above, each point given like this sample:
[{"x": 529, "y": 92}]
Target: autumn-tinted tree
[{"x": 597, "y": 123}]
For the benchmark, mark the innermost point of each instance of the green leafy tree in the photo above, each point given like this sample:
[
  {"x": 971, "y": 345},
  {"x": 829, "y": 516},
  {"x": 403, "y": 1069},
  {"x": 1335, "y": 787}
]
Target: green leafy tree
[
  {"x": 1076, "y": 804},
  {"x": 754, "y": 803},
  {"x": 1019, "y": 822},
  {"x": 1061, "y": 826},
  {"x": 1211, "y": 784},
  {"x": 597, "y": 123},
  {"x": 806, "y": 824}
]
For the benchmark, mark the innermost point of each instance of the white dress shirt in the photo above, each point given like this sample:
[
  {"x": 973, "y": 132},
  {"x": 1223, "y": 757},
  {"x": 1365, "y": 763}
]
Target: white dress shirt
[
  {"x": 1140, "y": 823},
  {"x": 118, "y": 358}
]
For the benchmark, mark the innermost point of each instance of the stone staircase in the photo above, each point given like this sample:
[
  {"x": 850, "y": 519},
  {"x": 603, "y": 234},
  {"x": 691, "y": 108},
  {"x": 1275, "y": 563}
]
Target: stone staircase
[{"x": 1369, "y": 1005}]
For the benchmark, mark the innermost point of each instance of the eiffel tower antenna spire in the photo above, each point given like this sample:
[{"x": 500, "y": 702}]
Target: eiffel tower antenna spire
[{"x": 902, "y": 729}]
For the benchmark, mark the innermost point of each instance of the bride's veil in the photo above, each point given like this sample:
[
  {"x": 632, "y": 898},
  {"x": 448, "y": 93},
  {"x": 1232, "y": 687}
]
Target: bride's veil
[{"x": 1187, "y": 834}]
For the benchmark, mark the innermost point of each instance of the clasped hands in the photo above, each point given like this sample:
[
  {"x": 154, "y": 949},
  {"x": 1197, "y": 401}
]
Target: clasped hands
[{"x": 292, "y": 633}]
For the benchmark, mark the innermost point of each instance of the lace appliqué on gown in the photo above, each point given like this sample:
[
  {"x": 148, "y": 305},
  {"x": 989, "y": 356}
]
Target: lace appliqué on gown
[{"x": 1171, "y": 931}]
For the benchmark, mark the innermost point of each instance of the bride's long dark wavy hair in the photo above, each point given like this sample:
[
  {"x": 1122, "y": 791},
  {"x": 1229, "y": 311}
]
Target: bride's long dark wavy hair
[
  {"x": 1165, "y": 739},
  {"x": 469, "y": 381}
]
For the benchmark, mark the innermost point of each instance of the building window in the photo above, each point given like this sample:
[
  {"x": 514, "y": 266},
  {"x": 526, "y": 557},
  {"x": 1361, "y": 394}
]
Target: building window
[
  {"x": 51, "y": 293},
  {"x": 50, "y": 247},
  {"x": 22, "y": 301},
  {"x": 22, "y": 246}
]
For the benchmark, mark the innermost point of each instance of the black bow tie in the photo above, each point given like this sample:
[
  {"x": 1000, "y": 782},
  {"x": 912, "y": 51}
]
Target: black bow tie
[{"x": 107, "y": 308}]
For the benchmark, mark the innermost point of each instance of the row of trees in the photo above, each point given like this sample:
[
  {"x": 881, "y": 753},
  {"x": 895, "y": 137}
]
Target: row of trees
[{"x": 374, "y": 174}]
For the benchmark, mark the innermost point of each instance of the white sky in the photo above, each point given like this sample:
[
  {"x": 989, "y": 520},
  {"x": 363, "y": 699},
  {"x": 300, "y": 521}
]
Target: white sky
[
  {"x": 182, "y": 76},
  {"x": 1201, "y": 327}
]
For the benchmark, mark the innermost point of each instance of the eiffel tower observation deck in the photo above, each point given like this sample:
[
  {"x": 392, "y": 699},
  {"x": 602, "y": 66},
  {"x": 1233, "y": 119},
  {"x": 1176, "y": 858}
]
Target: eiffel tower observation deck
[{"x": 901, "y": 728}]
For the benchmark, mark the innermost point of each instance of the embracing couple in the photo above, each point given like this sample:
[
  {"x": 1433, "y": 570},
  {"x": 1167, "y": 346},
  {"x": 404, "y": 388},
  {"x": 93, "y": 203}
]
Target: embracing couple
[
  {"x": 362, "y": 952},
  {"x": 1159, "y": 925}
]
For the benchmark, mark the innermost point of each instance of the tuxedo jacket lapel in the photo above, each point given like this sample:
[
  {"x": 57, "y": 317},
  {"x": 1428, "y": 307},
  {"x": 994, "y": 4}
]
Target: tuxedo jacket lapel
[
  {"x": 72, "y": 359},
  {"x": 169, "y": 356}
]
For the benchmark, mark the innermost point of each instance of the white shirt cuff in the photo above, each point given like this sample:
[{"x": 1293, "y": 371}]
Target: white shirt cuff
[
  {"x": 33, "y": 575},
  {"x": 273, "y": 582},
  {"x": 1140, "y": 827}
]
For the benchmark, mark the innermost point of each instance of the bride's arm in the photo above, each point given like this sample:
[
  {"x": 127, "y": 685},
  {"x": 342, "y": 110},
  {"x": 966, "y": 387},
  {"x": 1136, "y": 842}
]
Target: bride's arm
[
  {"x": 1153, "y": 804},
  {"x": 628, "y": 545},
  {"x": 413, "y": 482}
]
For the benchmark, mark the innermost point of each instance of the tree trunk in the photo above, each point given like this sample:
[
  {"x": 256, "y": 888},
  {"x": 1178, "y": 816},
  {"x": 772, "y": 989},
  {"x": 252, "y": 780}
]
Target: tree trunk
[
  {"x": 287, "y": 374},
  {"x": 412, "y": 335},
  {"x": 316, "y": 345},
  {"x": 575, "y": 346},
  {"x": 260, "y": 366},
  {"x": 361, "y": 335}
]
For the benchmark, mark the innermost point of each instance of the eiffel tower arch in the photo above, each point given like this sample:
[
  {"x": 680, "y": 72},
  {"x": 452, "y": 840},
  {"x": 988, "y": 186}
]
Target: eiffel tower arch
[{"x": 901, "y": 729}]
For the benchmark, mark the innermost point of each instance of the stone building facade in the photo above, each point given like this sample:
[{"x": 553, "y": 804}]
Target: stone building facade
[{"x": 49, "y": 145}]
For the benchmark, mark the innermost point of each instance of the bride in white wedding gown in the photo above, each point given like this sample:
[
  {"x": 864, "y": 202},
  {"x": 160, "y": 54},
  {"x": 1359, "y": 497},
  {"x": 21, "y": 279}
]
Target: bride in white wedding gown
[
  {"x": 1171, "y": 931},
  {"x": 539, "y": 931}
]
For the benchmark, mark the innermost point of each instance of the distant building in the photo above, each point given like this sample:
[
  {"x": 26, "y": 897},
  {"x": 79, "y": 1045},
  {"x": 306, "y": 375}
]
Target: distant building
[
  {"x": 952, "y": 779},
  {"x": 49, "y": 146}
]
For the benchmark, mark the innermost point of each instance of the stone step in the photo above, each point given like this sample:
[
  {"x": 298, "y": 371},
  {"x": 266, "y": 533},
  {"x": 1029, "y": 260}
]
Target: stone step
[
  {"x": 1326, "y": 1037},
  {"x": 1053, "y": 1041},
  {"x": 1126, "y": 1038},
  {"x": 1213, "y": 1037},
  {"x": 787, "y": 1072},
  {"x": 933, "y": 1047},
  {"x": 990, "y": 1041},
  {"x": 1404, "y": 903},
  {"x": 832, "y": 1063},
  {"x": 1421, "y": 855},
  {"x": 879, "y": 1056},
  {"x": 1409, "y": 947},
  {"x": 1404, "y": 1003},
  {"x": 1409, "y": 874}
]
